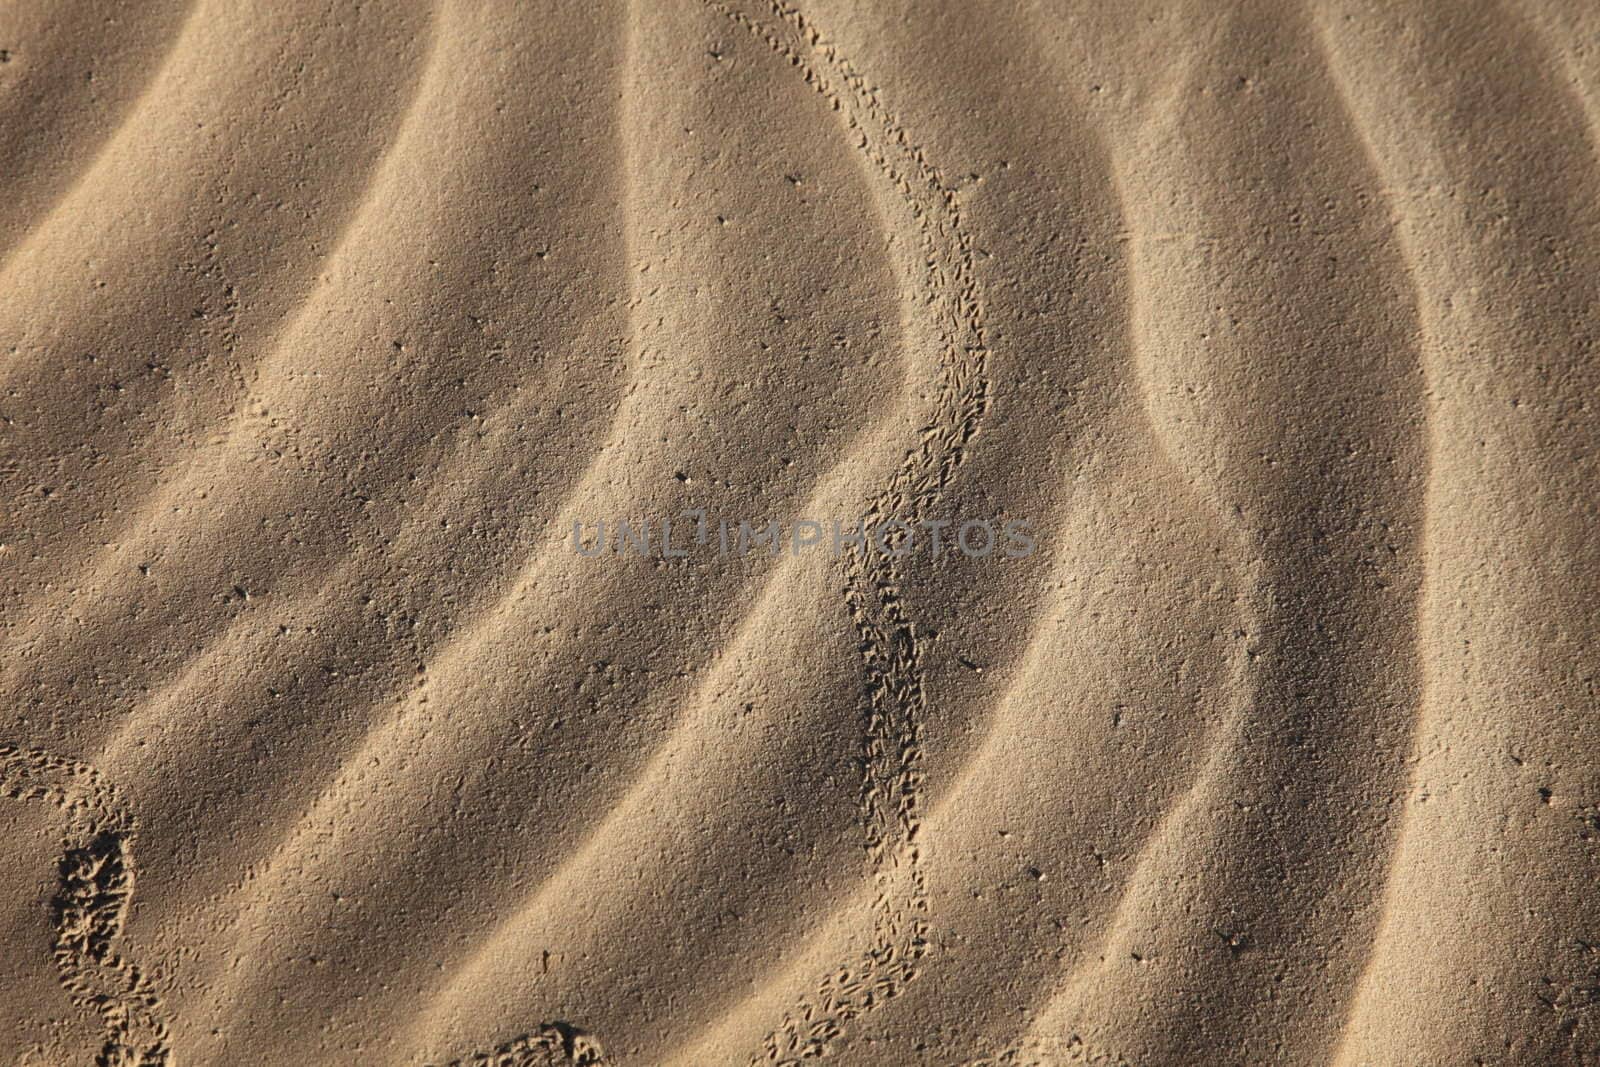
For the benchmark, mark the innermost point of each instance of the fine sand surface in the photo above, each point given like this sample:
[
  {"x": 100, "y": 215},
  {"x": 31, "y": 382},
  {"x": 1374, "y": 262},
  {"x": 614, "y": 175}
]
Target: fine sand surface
[{"x": 323, "y": 323}]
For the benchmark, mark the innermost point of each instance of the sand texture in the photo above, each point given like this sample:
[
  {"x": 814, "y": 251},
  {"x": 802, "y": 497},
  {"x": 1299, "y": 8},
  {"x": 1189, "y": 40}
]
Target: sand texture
[{"x": 324, "y": 741}]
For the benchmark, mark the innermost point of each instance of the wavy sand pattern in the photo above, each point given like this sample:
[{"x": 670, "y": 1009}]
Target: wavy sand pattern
[{"x": 323, "y": 324}]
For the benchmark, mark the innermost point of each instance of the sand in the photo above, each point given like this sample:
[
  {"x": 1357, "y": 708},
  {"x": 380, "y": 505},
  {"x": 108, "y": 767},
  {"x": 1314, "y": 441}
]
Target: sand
[{"x": 331, "y": 334}]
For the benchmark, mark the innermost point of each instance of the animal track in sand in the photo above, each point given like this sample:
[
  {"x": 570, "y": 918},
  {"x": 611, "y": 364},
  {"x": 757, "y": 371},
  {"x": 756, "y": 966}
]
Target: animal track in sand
[
  {"x": 552, "y": 1045},
  {"x": 1072, "y": 1051},
  {"x": 894, "y": 706},
  {"x": 97, "y": 881},
  {"x": 1575, "y": 997}
]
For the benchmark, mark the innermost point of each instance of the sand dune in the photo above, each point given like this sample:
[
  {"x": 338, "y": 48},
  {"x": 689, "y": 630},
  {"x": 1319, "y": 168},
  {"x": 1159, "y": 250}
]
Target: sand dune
[{"x": 327, "y": 330}]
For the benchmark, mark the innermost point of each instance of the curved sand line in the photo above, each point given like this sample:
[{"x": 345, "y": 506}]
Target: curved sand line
[
  {"x": 895, "y": 703},
  {"x": 34, "y": 204},
  {"x": 1428, "y": 315}
]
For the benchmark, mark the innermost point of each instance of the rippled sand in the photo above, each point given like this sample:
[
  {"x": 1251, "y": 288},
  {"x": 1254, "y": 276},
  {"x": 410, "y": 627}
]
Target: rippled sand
[{"x": 322, "y": 324}]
